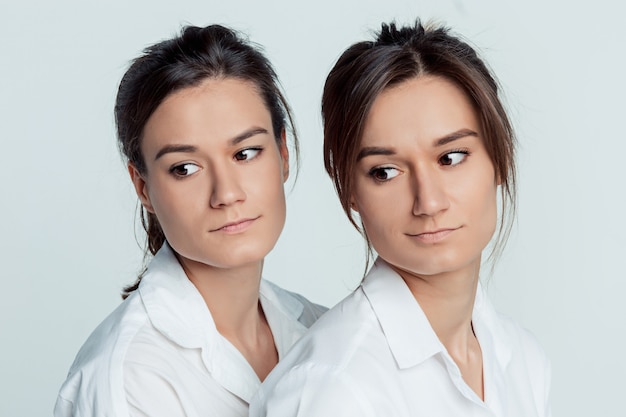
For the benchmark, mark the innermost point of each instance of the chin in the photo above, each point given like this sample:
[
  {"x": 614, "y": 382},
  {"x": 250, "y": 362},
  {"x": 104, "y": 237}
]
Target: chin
[
  {"x": 242, "y": 257},
  {"x": 430, "y": 265}
]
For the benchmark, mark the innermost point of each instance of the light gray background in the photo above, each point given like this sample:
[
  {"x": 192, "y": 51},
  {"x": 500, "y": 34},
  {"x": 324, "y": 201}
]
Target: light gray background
[{"x": 67, "y": 212}]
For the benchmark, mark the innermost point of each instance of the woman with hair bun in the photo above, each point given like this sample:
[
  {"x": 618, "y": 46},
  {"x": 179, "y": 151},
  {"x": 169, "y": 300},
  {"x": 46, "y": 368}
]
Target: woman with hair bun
[
  {"x": 203, "y": 125},
  {"x": 418, "y": 145}
]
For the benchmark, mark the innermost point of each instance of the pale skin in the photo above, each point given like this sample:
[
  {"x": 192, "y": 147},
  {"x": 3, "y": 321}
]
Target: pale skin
[
  {"x": 214, "y": 179},
  {"x": 425, "y": 189}
]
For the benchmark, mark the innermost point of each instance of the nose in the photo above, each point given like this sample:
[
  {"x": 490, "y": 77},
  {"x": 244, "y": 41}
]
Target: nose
[
  {"x": 226, "y": 189},
  {"x": 430, "y": 196}
]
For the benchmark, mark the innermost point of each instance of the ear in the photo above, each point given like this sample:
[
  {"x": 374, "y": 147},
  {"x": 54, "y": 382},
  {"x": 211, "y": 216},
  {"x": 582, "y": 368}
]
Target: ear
[
  {"x": 353, "y": 205},
  {"x": 497, "y": 174},
  {"x": 141, "y": 187},
  {"x": 284, "y": 154}
]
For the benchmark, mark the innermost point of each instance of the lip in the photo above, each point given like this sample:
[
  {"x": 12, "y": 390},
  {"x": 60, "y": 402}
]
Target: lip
[
  {"x": 236, "y": 226},
  {"x": 434, "y": 236}
]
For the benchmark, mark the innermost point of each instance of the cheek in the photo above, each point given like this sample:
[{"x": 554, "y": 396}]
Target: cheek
[
  {"x": 374, "y": 208},
  {"x": 492, "y": 208},
  {"x": 265, "y": 187},
  {"x": 477, "y": 192},
  {"x": 174, "y": 206},
  {"x": 272, "y": 196},
  {"x": 278, "y": 197},
  {"x": 485, "y": 209}
]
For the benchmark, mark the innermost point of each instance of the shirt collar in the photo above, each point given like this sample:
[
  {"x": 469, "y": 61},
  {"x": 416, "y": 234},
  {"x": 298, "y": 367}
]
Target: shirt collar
[
  {"x": 409, "y": 334},
  {"x": 177, "y": 310},
  {"x": 282, "y": 311},
  {"x": 406, "y": 328},
  {"x": 173, "y": 304}
]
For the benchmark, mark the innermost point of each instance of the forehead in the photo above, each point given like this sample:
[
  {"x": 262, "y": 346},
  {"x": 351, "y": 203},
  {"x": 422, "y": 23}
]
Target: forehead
[
  {"x": 216, "y": 109},
  {"x": 213, "y": 96},
  {"x": 421, "y": 108}
]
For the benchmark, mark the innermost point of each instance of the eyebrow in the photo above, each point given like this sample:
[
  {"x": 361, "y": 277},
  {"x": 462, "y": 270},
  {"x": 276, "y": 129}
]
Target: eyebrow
[
  {"x": 247, "y": 135},
  {"x": 376, "y": 150},
  {"x": 175, "y": 148},
  {"x": 454, "y": 136},
  {"x": 191, "y": 148}
]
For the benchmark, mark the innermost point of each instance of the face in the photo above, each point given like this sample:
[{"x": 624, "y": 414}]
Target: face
[
  {"x": 425, "y": 187},
  {"x": 215, "y": 174}
]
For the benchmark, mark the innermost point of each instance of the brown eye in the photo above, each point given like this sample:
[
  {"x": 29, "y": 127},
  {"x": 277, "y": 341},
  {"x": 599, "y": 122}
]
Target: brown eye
[
  {"x": 453, "y": 158},
  {"x": 184, "y": 170},
  {"x": 383, "y": 174},
  {"x": 247, "y": 154}
]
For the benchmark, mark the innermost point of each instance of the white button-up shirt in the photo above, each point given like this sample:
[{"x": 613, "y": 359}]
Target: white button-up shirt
[
  {"x": 375, "y": 354},
  {"x": 160, "y": 354}
]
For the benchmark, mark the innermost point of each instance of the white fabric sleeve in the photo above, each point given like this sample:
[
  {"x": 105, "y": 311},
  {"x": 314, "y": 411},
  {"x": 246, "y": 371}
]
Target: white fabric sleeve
[
  {"x": 63, "y": 408},
  {"x": 149, "y": 393}
]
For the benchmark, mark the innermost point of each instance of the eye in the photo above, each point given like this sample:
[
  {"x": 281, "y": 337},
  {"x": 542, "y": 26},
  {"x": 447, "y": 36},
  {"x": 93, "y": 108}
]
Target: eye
[
  {"x": 453, "y": 158},
  {"x": 382, "y": 174},
  {"x": 184, "y": 170},
  {"x": 247, "y": 154}
]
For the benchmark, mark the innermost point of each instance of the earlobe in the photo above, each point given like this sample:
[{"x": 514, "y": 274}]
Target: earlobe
[
  {"x": 498, "y": 178},
  {"x": 284, "y": 154},
  {"x": 141, "y": 187},
  {"x": 353, "y": 205}
]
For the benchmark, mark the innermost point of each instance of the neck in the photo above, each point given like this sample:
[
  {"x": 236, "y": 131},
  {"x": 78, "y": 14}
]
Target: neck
[
  {"x": 231, "y": 294},
  {"x": 448, "y": 302}
]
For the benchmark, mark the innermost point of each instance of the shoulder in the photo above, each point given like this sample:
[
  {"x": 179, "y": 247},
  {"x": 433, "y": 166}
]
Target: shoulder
[
  {"x": 528, "y": 363},
  {"x": 326, "y": 363},
  {"x": 111, "y": 339},
  {"x": 524, "y": 343},
  {"x": 339, "y": 334},
  {"x": 511, "y": 340},
  {"x": 162, "y": 378},
  {"x": 95, "y": 378}
]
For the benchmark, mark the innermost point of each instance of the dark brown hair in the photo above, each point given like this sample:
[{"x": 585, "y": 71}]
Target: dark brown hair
[
  {"x": 365, "y": 69},
  {"x": 182, "y": 62}
]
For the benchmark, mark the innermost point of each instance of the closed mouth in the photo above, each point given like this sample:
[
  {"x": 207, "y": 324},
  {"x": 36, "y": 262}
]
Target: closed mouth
[
  {"x": 434, "y": 235},
  {"x": 236, "y": 226}
]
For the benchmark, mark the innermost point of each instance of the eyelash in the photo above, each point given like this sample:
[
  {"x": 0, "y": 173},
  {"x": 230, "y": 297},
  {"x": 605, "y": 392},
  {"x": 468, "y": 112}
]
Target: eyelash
[
  {"x": 179, "y": 176},
  {"x": 254, "y": 148},
  {"x": 464, "y": 151},
  {"x": 372, "y": 173},
  {"x": 376, "y": 170}
]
